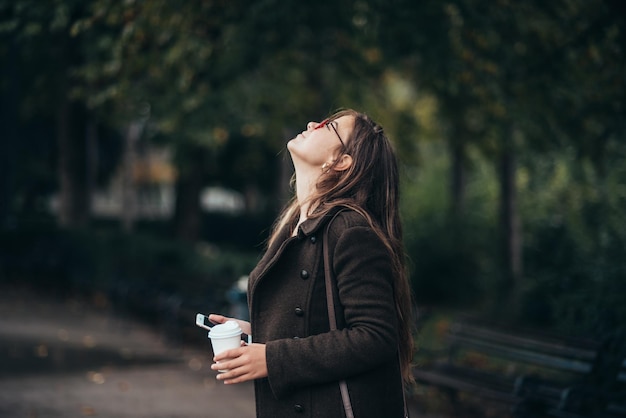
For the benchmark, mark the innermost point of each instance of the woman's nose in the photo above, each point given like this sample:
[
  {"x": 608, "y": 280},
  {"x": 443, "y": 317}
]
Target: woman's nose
[{"x": 310, "y": 125}]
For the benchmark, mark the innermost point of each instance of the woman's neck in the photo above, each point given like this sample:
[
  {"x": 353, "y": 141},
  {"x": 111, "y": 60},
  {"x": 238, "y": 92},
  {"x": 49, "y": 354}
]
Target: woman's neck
[{"x": 305, "y": 185}]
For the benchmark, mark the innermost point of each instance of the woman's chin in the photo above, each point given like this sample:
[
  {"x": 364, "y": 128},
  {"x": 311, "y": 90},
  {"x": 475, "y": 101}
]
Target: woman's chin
[{"x": 294, "y": 143}]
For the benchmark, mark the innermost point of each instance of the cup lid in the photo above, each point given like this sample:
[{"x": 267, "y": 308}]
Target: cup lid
[{"x": 225, "y": 330}]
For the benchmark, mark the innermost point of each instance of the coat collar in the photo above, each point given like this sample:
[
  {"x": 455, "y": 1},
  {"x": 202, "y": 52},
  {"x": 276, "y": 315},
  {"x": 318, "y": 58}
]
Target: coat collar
[{"x": 312, "y": 226}]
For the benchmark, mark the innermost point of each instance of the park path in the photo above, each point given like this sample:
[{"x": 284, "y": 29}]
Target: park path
[{"x": 71, "y": 357}]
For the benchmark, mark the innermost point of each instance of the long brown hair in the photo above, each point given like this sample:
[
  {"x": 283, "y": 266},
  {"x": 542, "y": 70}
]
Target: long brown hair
[{"x": 370, "y": 187}]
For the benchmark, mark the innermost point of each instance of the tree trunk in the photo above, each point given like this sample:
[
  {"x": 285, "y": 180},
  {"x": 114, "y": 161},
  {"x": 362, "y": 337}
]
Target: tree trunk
[
  {"x": 188, "y": 217},
  {"x": 129, "y": 189},
  {"x": 252, "y": 199},
  {"x": 74, "y": 193},
  {"x": 458, "y": 136},
  {"x": 9, "y": 121},
  {"x": 457, "y": 173},
  {"x": 91, "y": 154},
  {"x": 510, "y": 227}
]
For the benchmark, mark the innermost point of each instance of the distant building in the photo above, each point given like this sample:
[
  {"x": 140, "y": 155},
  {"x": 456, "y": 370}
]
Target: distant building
[{"x": 153, "y": 179}]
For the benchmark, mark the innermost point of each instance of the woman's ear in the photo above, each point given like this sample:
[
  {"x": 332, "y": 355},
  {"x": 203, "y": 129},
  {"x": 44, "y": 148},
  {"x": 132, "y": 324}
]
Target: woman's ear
[{"x": 344, "y": 163}]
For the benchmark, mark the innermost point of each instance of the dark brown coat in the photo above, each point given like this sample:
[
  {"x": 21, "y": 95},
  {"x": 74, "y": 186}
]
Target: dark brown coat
[{"x": 288, "y": 312}]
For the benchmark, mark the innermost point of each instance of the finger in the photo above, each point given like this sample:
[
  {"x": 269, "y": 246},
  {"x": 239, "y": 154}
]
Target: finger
[
  {"x": 240, "y": 374},
  {"x": 233, "y": 369},
  {"x": 230, "y": 364},
  {"x": 235, "y": 375},
  {"x": 234, "y": 360},
  {"x": 222, "y": 365},
  {"x": 229, "y": 373},
  {"x": 228, "y": 354},
  {"x": 236, "y": 380},
  {"x": 217, "y": 319}
]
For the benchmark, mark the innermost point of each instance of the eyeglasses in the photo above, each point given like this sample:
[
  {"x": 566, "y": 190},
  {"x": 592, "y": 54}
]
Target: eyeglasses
[{"x": 326, "y": 123}]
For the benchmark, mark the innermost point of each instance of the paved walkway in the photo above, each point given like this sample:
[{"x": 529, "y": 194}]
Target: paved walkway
[{"x": 66, "y": 357}]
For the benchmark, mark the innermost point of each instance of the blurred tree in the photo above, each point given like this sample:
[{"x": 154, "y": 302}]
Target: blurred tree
[
  {"x": 194, "y": 77},
  {"x": 511, "y": 77},
  {"x": 526, "y": 57},
  {"x": 36, "y": 88},
  {"x": 224, "y": 84},
  {"x": 158, "y": 67},
  {"x": 212, "y": 73}
]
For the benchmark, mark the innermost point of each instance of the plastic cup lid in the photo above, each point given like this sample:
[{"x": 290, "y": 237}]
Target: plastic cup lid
[{"x": 226, "y": 330}]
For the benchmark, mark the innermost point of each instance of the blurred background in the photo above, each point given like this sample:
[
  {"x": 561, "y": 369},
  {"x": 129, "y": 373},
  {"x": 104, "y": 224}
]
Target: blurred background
[{"x": 142, "y": 149}]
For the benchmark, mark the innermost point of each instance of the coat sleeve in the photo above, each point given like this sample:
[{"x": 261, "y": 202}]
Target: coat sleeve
[{"x": 364, "y": 278}]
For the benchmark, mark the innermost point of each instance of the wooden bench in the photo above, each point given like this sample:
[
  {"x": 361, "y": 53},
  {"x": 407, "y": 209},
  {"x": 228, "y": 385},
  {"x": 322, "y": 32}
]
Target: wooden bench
[
  {"x": 534, "y": 374},
  {"x": 617, "y": 403},
  {"x": 603, "y": 397}
]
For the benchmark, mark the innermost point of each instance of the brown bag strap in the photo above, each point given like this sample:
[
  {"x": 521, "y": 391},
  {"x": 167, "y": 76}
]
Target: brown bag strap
[
  {"x": 343, "y": 387},
  {"x": 328, "y": 281}
]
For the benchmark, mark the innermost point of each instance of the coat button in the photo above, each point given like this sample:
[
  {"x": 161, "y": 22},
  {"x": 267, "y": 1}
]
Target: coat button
[
  {"x": 298, "y": 408},
  {"x": 299, "y": 311},
  {"x": 313, "y": 239},
  {"x": 304, "y": 274}
]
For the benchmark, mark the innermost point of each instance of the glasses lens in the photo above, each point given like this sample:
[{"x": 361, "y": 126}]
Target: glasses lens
[{"x": 327, "y": 122}]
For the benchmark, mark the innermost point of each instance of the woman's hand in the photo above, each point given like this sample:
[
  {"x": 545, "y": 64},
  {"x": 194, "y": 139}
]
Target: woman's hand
[
  {"x": 220, "y": 319},
  {"x": 245, "y": 363}
]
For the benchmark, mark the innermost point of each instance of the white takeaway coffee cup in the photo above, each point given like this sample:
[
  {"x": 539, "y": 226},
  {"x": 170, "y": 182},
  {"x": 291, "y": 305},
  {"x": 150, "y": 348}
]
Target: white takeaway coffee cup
[{"x": 225, "y": 336}]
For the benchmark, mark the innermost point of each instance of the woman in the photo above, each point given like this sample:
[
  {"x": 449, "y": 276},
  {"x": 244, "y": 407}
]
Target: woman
[{"x": 346, "y": 175}]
